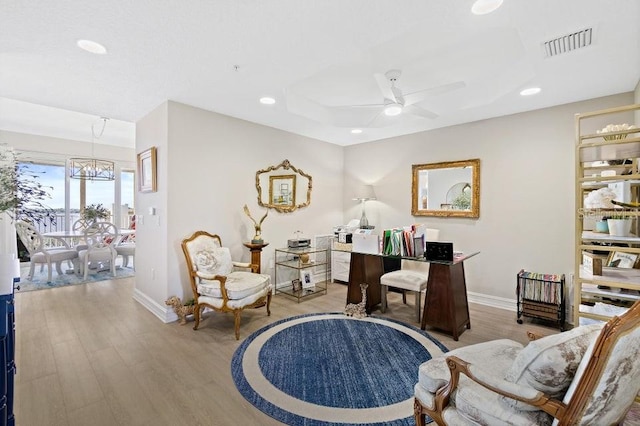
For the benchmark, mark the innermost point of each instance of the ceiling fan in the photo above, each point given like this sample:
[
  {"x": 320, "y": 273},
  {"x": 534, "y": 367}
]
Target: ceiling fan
[{"x": 396, "y": 103}]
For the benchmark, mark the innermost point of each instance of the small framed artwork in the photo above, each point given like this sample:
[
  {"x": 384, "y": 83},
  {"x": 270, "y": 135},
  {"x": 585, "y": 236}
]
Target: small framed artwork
[
  {"x": 307, "y": 279},
  {"x": 295, "y": 284},
  {"x": 147, "y": 170},
  {"x": 621, "y": 259}
]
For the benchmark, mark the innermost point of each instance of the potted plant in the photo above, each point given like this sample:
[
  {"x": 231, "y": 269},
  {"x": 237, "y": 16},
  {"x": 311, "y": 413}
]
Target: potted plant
[
  {"x": 95, "y": 212},
  {"x": 21, "y": 196},
  {"x": 619, "y": 224}
]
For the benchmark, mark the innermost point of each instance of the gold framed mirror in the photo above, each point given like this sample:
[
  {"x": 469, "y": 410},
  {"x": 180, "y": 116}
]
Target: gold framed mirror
[
  {"x": 284, "y": 187},
  {"x": 446, "y": 189}
]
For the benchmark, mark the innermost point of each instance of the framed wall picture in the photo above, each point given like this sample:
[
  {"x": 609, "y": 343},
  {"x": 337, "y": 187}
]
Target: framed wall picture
[
  {"x": 621, "y": 259},
  {"x": 306, "y": 279},
  {"x": 147, "y": 170}
]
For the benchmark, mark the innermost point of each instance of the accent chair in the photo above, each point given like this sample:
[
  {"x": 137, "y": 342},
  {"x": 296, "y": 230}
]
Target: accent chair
[
  {"x": 217, "y": 283},
  {"x": 589, "y": 375}
]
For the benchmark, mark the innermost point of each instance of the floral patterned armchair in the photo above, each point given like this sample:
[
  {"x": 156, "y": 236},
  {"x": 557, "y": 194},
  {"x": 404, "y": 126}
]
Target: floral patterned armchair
[
  {"x": 215, "y": 283},
  {"x": 586, "y": 376}
]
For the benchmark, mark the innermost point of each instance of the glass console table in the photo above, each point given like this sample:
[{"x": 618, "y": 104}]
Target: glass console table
[{"x": 303, "y": 271}]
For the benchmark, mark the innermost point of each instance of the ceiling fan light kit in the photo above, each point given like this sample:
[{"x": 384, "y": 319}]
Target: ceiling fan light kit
[
  {"x": 483, "y": 7},
  {"x": 393, "y": 109}
]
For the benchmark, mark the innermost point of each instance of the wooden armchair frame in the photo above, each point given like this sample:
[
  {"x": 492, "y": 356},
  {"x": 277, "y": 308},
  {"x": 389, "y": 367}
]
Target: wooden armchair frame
[
  {"x": 567, "y": 414},
  {"x": 193, "y": 277}
]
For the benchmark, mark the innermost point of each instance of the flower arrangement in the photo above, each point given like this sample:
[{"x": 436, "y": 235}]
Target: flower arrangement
[
  {"x": 94, "y": 212},
  {"x": 610, "y": 128}
]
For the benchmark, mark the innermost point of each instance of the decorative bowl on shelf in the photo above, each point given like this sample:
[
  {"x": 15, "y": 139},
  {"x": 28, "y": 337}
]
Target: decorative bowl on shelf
[{"x": 611, "y": 128}]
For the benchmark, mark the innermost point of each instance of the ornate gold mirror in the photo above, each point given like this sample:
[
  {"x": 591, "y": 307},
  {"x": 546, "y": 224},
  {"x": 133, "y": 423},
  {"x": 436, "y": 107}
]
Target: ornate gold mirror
[
  {"x": 283, "y": 188},
  {"x": 448, "y": 189}
]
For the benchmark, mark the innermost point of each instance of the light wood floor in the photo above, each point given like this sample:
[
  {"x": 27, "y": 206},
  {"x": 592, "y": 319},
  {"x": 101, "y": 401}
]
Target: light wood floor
[{"x": 91, "y": 355}]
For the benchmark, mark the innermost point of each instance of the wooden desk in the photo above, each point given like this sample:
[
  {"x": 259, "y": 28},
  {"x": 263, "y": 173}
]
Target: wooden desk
[
  {"x": 256, "y": 253},
  {"x": 445, "y": 306}
]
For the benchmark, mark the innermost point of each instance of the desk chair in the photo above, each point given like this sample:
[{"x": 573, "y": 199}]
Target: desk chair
[{"x": 412, "y": 276}]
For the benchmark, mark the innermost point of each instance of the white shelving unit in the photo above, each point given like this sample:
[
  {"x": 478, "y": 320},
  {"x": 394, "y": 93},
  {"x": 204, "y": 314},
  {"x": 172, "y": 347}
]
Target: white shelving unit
[{"x": 599, "y": 297}]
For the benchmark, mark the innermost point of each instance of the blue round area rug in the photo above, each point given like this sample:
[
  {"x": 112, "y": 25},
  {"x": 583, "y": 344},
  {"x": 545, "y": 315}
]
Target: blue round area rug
[{"x": 330, "y": 369}]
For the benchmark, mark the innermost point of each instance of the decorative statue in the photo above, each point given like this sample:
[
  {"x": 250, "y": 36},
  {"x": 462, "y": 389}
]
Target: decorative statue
[{"x": 257, "y": 239}]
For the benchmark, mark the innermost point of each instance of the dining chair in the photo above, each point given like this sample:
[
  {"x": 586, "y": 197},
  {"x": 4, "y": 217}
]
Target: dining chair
[
  {"x": 40, "y": 253},
  {"x": 100, "y": 239}
]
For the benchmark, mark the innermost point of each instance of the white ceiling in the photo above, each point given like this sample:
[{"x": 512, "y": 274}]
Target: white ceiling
[{"x": 313, "y": 57}]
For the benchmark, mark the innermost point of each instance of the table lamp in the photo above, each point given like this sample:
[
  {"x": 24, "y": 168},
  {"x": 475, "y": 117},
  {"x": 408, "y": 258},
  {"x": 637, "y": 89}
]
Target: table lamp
[{"x": 364, "y": 194}]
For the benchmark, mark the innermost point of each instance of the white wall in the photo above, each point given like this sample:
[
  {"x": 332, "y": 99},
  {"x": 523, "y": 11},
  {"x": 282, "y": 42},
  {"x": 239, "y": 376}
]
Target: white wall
[
  {"x": 206, "y": 173},
  {"x": 527, "y": 191}
]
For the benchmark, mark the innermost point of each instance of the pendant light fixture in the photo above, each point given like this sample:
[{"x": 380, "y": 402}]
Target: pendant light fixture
[{"x": 92, "y": 168}]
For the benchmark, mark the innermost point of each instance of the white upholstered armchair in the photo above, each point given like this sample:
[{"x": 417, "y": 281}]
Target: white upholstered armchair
[
  {"x": 215, "y": 283},
  {"x": 586, "y": 376}
]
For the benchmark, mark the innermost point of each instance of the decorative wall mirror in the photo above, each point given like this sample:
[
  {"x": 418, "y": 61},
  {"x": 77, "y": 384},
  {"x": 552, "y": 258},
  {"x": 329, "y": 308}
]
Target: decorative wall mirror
[
  {"x": 448, "y": 189},
  {"x": 283, "y": 188}
]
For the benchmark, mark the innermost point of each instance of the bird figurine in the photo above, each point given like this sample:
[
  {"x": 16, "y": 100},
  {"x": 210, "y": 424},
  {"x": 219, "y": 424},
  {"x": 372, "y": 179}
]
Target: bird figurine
[{"x": 257, "y": 239}]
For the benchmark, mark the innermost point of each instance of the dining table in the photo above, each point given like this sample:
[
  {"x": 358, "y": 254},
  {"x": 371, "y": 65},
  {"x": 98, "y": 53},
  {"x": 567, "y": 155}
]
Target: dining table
[{"x": 71, "y": 235}]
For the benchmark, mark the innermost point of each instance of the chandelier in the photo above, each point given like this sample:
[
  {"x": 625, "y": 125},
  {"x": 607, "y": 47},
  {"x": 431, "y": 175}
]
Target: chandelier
[{"x": 92, "y": 168}]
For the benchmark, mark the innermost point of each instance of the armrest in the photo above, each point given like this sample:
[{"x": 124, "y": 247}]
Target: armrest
[
  {"x": 495, "y": 384},
  {"x": 246, "y": 265}
]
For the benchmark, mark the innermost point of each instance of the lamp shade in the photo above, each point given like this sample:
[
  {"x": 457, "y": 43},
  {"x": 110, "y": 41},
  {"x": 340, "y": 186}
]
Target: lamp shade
[{"x": 364, "y": 193}]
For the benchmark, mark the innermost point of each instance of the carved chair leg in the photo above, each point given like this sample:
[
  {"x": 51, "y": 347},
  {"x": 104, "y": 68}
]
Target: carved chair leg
[
  {"x": 418, "y": 415},
  {"x": 269, "y": 304},
  {"x": 236, "y": 323},
  {"x": 196, "y": 316}
]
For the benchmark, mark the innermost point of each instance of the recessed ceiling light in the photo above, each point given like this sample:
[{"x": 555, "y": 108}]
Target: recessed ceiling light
[
  {"x": 482, "y": 7},
  {"x": 266, "y": 100},
  {"x": 92, "y": 46},
  {"x": 356, "y": 131},
  {"x": 393, "y": 109},
  {"x": 530, "y": 91}
]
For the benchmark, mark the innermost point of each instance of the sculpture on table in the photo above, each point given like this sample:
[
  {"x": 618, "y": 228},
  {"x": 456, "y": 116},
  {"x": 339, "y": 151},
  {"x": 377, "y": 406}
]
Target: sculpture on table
[
  {"x": 358, "y": 310},
  {"x": 257, "y": 238}
]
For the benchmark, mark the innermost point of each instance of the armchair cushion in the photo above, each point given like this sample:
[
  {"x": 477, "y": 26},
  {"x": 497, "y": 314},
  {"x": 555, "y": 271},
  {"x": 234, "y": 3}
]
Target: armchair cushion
[
  {"x": 213, "y": 261},
  {"x": 549, "y": 364},
  {"x": 239, "y": 285}
]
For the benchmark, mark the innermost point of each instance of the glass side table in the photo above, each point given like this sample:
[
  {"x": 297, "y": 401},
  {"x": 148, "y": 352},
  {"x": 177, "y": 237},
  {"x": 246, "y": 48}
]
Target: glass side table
[{"x": 303, "y": 271}]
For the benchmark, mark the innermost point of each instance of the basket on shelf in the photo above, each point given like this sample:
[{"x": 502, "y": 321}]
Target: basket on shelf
[{"x": 610, "y": 128}]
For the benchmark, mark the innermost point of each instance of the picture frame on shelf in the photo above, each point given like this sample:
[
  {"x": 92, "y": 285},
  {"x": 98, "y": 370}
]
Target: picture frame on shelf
[
  {"x": 147, "y": 181},
  {"x": 621, "y": 259},
  {"x": 306, "y": 278},
  {"x": 296, "y": 285}
]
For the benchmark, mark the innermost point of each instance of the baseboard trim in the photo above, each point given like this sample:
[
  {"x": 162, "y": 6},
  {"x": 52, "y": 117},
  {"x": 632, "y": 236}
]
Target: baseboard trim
[
  {"x": 493, "y": 301},
  {"x": 164, "y": 313}
]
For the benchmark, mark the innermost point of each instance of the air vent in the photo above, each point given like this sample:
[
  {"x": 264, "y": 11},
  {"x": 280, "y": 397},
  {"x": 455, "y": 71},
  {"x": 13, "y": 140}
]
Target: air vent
[{"x": 567, "y": 43}]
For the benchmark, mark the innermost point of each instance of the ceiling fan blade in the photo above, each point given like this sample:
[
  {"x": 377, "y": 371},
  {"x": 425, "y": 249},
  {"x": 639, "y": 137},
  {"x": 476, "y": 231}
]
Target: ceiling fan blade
[
  {"x": 420, "y": 112},
  {"x": 415, "y": 97},
  {"x": 385, "y": 87}
]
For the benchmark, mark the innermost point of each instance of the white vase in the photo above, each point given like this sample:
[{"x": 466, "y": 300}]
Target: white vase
[{"x": 619, "y": 227}]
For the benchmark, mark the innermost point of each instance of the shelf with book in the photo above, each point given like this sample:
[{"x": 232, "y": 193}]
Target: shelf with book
[{"x": 606, "y": 159}]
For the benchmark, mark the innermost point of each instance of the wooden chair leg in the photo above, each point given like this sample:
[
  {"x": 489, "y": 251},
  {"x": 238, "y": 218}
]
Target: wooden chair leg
[
  {"x": 404, "y": 296},
  {"x": 269, "y": 304},
  {"x": 236, "y": 323},
  {"x": 418, "y": 294},
  {"x": 418, "y": 415},
  {"x": 196, "y": 317}
]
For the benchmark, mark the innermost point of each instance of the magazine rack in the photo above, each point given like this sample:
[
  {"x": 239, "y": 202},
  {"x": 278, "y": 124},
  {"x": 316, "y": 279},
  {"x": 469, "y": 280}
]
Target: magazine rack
[{"x": 541, "y": 296}]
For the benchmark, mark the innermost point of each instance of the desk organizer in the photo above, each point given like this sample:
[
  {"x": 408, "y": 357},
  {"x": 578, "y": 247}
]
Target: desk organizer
[{"x": 541, "y": 296}]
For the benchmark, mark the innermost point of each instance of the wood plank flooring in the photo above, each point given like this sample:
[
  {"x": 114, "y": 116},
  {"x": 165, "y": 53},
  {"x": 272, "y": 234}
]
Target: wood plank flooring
[{"x": 91, "y": 355}]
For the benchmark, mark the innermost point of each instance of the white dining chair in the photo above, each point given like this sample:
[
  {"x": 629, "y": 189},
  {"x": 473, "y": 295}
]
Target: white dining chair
[{"x": 100, "y": 239}]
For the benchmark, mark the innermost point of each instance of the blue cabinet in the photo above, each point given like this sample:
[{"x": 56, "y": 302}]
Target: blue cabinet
[{"x": 7, "y": 359}]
